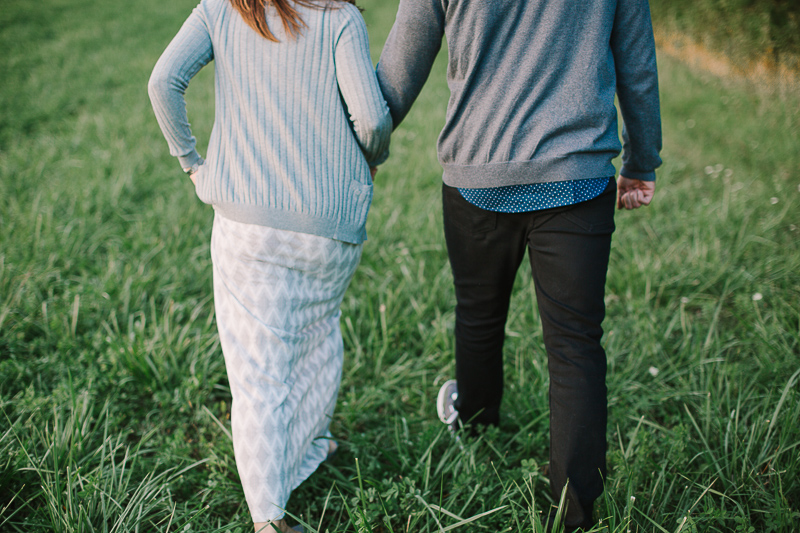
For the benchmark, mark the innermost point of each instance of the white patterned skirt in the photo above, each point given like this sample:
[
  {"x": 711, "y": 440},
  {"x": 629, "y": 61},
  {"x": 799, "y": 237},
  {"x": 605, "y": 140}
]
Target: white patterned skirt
[{"x": 277, "y": 296}]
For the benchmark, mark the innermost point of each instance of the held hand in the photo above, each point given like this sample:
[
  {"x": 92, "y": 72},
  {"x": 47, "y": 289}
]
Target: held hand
[
  {"x": 372, "y": 172},
  {"x": 633, "y": 193},
  {"x": 193, "y": 177}
]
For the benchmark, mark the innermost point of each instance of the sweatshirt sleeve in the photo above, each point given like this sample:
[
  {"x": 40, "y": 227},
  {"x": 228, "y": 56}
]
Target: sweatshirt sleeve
[
  {"x": 409, "y": 53},
  {"x": 189, "y": 51},
  {"x": 358, "y": 85},
  {"x": 634, "y": 52}
]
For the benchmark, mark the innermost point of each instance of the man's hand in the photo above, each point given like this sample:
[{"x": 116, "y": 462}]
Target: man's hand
[
  {"x": 373, "y": 171},
  {"x": 633, "y": 193}
]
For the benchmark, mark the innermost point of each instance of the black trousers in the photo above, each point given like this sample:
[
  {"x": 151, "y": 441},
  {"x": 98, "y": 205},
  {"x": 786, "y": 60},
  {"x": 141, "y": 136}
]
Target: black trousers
[{"x": 568, "y": 249}]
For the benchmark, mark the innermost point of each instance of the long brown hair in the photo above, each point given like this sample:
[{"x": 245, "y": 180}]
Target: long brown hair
[{"x": 254, "y": 13}]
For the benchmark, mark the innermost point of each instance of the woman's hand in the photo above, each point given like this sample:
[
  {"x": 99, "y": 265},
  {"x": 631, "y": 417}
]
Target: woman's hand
[{"x": 193, "y": 170}]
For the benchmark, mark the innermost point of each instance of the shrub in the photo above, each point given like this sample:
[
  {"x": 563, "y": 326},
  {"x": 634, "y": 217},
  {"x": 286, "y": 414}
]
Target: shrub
[{"x": 743, "y": 30}]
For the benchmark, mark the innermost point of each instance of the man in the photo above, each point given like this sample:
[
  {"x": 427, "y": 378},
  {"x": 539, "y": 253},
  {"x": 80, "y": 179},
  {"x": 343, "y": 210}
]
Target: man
[{"x": 530, "y": 132}]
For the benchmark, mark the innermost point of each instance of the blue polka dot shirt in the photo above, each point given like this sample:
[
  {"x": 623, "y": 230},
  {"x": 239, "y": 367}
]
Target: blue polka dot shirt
[{"x": 535, "y": 196}]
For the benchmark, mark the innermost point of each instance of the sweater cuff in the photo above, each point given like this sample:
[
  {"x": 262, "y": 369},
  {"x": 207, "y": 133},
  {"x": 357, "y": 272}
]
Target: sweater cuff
[
  {"x": 189, "y": 159},
  {"x": 637, "y": 175},
  {"x": 380, "y": 159}
]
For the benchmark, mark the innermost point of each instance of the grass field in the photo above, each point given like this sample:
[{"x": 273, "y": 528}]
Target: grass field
[{"x": 114, "y": 403}]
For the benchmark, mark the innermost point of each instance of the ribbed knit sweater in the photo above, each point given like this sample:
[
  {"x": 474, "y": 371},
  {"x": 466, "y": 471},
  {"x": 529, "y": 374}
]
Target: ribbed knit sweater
[
  {"x": 532, "y": 86},
  {"x": 297, "y": 123}
]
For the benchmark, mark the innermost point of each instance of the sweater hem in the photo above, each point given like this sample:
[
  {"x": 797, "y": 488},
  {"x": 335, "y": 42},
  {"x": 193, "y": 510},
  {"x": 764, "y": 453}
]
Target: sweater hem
[
  {"x": 576, "y": 166},
  {"x": 342, "y": 230}
]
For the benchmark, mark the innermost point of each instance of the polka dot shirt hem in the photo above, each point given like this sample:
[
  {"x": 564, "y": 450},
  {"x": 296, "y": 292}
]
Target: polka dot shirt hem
[{"x": 535, "y": 196}]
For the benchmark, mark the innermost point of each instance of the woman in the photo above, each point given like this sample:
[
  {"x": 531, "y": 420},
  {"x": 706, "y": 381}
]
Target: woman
[{"x": 299, "y": 123}]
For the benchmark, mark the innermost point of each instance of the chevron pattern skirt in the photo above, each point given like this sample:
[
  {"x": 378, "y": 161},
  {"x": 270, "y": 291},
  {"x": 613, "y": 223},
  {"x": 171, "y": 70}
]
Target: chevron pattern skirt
[{"x": 277, "y": 296}]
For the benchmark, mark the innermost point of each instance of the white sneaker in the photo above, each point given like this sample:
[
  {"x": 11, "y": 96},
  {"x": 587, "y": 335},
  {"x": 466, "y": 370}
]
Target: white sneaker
[{"x": 448, "y": 414}]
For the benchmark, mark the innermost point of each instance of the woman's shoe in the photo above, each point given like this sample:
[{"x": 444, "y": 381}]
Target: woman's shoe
[{"x": 333, "y": 447}]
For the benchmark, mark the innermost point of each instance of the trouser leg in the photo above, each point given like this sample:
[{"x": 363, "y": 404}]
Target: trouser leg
[
  {"x": 485, "y": 251},
  {"x": 569, "y": 252}
]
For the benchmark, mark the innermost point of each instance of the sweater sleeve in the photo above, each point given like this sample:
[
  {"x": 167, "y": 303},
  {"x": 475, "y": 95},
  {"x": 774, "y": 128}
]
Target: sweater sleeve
[
  {"x": 358, "y": 85},
  {"x": 189, "y": 51},
  {"x": 409, "y": 53},
  {"x": 634, "y": 52}
]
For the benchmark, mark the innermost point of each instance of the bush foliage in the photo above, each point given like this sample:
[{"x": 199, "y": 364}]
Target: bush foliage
[{"x": 744, "y": 30}]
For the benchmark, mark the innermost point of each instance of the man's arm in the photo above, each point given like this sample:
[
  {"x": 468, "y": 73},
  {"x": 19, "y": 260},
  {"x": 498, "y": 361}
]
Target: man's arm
[
  {"x": 633, "y": 47},
  {"x": 409, "y": 52}
]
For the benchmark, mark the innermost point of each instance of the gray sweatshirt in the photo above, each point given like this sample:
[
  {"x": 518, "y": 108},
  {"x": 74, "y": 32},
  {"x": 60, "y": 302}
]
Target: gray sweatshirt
[
  {"x": 532, "y": 86},
  {"x": 297, "y": 123}
]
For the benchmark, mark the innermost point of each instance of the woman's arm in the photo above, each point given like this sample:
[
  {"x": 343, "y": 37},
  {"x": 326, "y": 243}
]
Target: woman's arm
[
  {"x": 188, "y": 52},
  {"x": 355, "y": 75}
]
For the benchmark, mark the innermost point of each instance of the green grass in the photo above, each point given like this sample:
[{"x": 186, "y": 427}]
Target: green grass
[{"x": 113, "y": 398}]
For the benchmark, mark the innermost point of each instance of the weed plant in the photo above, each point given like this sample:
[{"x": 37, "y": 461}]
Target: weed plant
[{"x": 114, "y": 405}]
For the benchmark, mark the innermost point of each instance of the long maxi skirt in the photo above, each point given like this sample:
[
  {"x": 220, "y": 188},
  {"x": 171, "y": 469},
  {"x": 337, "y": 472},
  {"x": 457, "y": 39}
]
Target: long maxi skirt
[{"x": 277, "y": 296}]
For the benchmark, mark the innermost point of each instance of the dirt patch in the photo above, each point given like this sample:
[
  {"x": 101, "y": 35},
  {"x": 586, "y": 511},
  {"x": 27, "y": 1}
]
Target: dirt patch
[{"x": 763, "y": 71}]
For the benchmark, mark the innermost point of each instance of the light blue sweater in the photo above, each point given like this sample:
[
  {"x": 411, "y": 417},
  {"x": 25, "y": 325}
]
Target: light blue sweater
[
  {"x": 532, "y": 86},
  {"x": 297, "y": 123}
]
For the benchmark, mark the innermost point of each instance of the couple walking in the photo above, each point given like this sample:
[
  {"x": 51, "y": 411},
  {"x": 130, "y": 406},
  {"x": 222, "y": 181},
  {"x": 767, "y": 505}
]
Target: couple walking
[{"x": 302, "y": 120}]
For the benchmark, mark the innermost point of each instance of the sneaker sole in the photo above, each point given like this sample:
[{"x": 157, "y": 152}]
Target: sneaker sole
[{"x": 444, "y": 402}]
